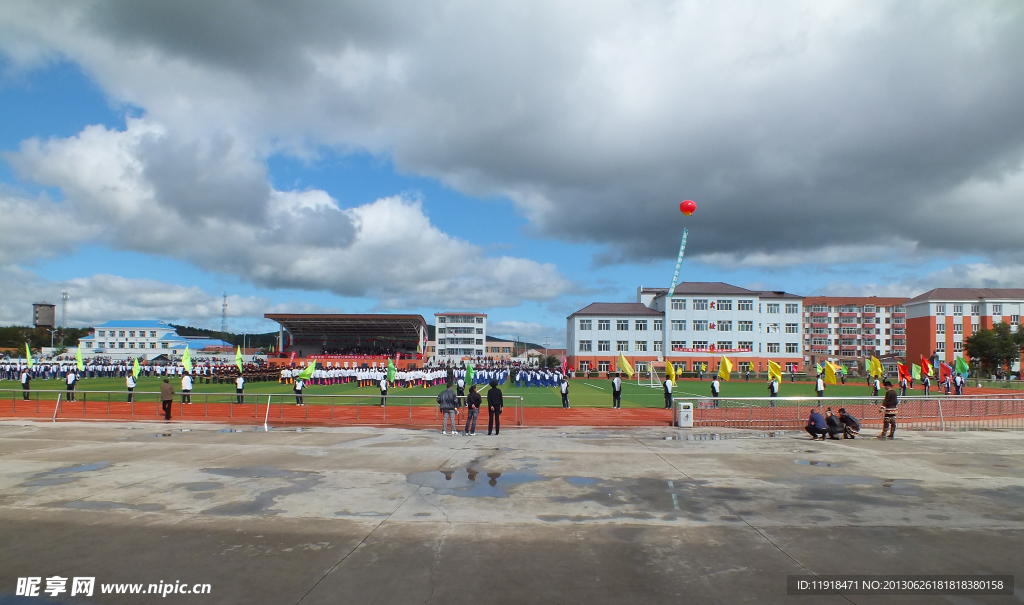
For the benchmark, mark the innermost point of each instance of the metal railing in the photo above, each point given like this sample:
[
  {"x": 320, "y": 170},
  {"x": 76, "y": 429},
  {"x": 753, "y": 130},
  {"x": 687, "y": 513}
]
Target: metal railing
[
  {"x": 335, "y": 409},
  {"x": 963, "y": 412}
]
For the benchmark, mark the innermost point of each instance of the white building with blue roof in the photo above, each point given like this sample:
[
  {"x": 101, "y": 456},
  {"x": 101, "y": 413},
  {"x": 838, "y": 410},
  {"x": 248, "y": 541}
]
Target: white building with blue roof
[{"x": 141, "y": 338}]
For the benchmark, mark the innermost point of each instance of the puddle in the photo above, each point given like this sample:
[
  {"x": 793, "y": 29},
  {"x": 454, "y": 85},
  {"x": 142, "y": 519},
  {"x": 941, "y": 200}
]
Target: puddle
[
  {"x": 103, "y": 505},
  {"x": 163, "y": 434},
  {"x": 721, "y": 436},
  {"x": 202, "y": 486},
  {"x": 473, "y": 482},
  {"x": 65, "y": 474},
  {"x": 817, "y": 463},
  {"x": 581, "y": 480},
  {"x": 264, "y": 501}
]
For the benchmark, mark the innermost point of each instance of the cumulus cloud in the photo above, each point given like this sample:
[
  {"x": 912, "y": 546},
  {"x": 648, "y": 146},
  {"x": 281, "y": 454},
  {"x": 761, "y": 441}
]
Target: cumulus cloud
[
  {"x": 528, "y": 332},
  {"x": 970, "y": 275},
  {"x": 209, "y": 203},
  {"x": 887, "y": 124}
]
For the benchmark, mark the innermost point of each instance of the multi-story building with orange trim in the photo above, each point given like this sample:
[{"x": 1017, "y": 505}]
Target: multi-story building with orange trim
[
  {"x": 850, "y": 329},
  {"x": 941, "y": 320}
]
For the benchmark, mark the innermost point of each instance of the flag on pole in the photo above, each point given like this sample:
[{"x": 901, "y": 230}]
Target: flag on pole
[
  {"x": 902, "y": 371},
  {"x": 724, "y": 368},
  {"x": 846, "y": 370},
  {"x": 926, "y": 367},
  {"x": 307, "y": 372},
  {"x": 78, "y": 359},
  {"x": 28, "y": 354},
  {"x": 186, "y": 360},
  {"x": 136, "y": 369},
  {"x": 818, "y": 365},
  {"x": 774, "y": 371},
  {"x": 830, "y": 372},
  {"x": 875, "y": 367},
  {"x": 238, "y": 359},
  {"x": 944, "y": 370},
  {"x": 915, "y": 371},
  {"x": 391, "y": 371},
  {"x": 469, "y": 372},
  {"x": 961, "y": 366},
  {"x": 670, "y": 372},
  {"x": 704, "y": 367},
  {"x": 624, "y": 366}
]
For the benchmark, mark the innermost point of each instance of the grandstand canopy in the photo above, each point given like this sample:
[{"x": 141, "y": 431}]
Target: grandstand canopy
[{"x": 345, "y": 328}]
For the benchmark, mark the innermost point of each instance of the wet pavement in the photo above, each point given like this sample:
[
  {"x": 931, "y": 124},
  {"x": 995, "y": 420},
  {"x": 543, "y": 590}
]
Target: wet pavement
[{"x": 366, "y": 515}]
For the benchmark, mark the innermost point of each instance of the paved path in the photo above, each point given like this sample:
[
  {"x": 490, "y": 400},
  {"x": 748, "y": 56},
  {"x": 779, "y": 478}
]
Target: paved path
[{"x": 574, "y": 515}]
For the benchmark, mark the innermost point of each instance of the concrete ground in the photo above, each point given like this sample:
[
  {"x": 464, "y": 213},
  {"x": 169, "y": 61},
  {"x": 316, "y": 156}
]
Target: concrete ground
[{"x": 574, "y": 515}]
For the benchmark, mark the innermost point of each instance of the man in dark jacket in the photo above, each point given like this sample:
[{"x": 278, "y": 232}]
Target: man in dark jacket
[
  {"x": 447, "y": 402},
  {"x": 851, "y": 427},
  {"x": 889, "y": 405},
  {"x": 832, "y": 421},
  {"x": 494, "y": 404},
  {"x": 166, "y": 397},
  {"x": 816, "y": 425},
  {"x": 473, "y": 402}
]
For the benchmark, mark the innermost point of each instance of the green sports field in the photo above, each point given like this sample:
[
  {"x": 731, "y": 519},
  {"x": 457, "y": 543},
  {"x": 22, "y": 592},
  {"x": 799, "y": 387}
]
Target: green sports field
[{"x": 582, "y": 392}]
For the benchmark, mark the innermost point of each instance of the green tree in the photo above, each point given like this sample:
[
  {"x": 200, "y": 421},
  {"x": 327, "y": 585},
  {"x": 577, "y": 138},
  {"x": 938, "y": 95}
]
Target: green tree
[{"x": 996, "y": 349}]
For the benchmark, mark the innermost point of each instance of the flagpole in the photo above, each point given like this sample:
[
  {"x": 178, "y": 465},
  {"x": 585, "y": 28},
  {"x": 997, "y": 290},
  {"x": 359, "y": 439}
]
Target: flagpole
[{"x": 679, "y": 263}]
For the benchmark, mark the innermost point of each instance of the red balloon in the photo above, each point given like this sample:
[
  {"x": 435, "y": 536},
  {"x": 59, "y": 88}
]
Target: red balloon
[{"x": 687, "y": 207}]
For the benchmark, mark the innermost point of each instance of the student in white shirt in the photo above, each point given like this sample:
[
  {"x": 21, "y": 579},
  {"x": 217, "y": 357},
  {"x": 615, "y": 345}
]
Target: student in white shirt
[
  {"x": 240, "y": 387},
  {"x": 186, "y": 388}
]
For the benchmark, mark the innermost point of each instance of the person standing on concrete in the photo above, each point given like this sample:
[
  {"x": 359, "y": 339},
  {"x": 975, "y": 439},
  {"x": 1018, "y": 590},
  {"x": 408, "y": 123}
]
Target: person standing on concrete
[
  {"x": 166, "y": 398},
  {"x": 71, "y": 378},
  {"x": 26, "y": 383},
  {"x": 447, "y": 402},
  {"x": 564, "y": 388},
  {"x": 616, "y": 393},
  {"x": 889, "y": 405},
  {"x": 495, "y": 403},
  {"x": 186, "y": 388},
  {"x": 668, "y": 394},
  {"x": 473, "y": 402},
  {"x": 239, "y": 388}
]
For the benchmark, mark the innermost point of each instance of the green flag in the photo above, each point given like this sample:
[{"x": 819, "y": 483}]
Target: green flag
[
  {"x": 78, "y": 359},
  {"x": 307, "y": 373},
  {"x": 28, "y": 354},
  {"x": 961, "y": 366},
  {"x": 186, "y": 361},
  {"x": 135, "y": 368},
  {"x": 915, "y": 371},
  {"x": 846, "y": 370},
  {"x": 469, "y": 373},
  {"x": 391, "y": 371},
  {"x": 238, "y": 359},
  {"x": 818, "y": 365}
]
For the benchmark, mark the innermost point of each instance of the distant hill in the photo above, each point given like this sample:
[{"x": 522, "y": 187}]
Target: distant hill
[{"x": 251, "y": 340}]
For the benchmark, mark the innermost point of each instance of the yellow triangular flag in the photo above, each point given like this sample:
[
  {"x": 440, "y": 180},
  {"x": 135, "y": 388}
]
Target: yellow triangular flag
[
  {"x": 238, "y": 359},
  {"x": 186, "y": 361},
  {"x": 724, "y": 368},
  {"x": 624, "y": 366},
  {"x": 774, "y": 371},
  {"x": 78, "y": 359},
  {"x": 135, "y": 368},
  {"x": 831, "y": 371},
  {"x": 670, "y": 372}
]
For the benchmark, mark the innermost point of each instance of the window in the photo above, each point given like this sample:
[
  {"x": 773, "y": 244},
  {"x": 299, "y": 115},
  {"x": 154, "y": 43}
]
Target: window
[
  {"x": 772, "y": 308},
  {"x": 440, "y": 319},
  {"x": 792, "y": 347},
  {"x": 792, "y": 308},
  {"x": 869, "y": 308},
  {"x": 659, "y": 325},
  {"x": 163, "y": 345},
  {"x": 746, "y": 326},
  {"x": 103, "y": 332},
  {"x": 975, "y": 309},
  {"x": 940, "y": 329},
  {"x": 640, "y": 325},
  {"x": 585, "y": 324},
  {"x": 700, "y": 304},
  {"x": 507, "y": 350},
  {"x": 772, "y": 347},
  {"x": 585, "y": 345},
  {"x": 746, "y": 345},
  {"x": 584, "y": 366},
  {"x": 131, "y": 333},
  {"x": 899, "y": 331},
  {"x": 479, "y": 320},
  {"x": 1014, "y": 321},
  {"x": 678, "y": 304},
  {"x": 679, "y": 325},
  {"x": 700, "y": 344},
  {"x": 700, "y": 325},
  {"x": 958, "y": 347},
  {"x": 622, "y": 324},
  {"x": 621, "y": 345},
  {"x": 819, "y": 341},
  {"x": 818, "y": 309},
  {"x": 88, "y": 344},
  {"x": 940, "y": 347},
  {"x": 604, "y": 324},
  {"x": 479, "y": 330},
  {"x": 640, "y": 345},
  {"x": 744, "y": 305},
  {"x": 940, "y": 309},
  {"x": 847, "y": 320},
  {"x": 678, "y": 345},
  {"x": 772, "y": 329},
  {"x": 724, "y": 305},
  {"x": 899, "y": 342},
  {"x": 841, "y": 330},
  {"x": 603, "y": 366},
  {"x": 121, "y": 333},
  {"x": 958, "y": 310},
  {"x": 657, "y": 345},
  {"x": 604, "y": 345},
  {"x": 120, "y": 345},
  {"x": 792, "y": 329},
  {"x": 823, "y": 330},
  {"x": 997, "y": 309},
  {"x": 744, "y": 366},
  {"x": 725, "y": 326},
  {"x": 958, "y": 328},
  {"x": 868, "y": 342},
  {"x": 723, "y": 345}
]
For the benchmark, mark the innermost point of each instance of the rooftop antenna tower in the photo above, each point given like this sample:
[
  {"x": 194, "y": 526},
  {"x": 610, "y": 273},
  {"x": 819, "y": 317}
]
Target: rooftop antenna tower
[
  {"x": 64, "y": 308},
  {"x": 224, "y": 314}
]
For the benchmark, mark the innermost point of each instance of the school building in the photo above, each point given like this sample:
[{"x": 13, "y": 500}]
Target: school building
[
  {"x": 941, "y": 320},
  {"x": 850, "y": 329}
]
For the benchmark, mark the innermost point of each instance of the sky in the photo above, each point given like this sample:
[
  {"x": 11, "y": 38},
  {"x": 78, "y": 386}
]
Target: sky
[{"x": 520, "y": 159}]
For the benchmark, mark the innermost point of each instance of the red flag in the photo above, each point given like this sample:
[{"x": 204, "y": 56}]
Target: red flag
[
  {"x": 926, "y": 367},
  {"x": 944, "y": 371},
  {"x": 903, "y": 371},
  {"x": 564, "y": 366}
]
